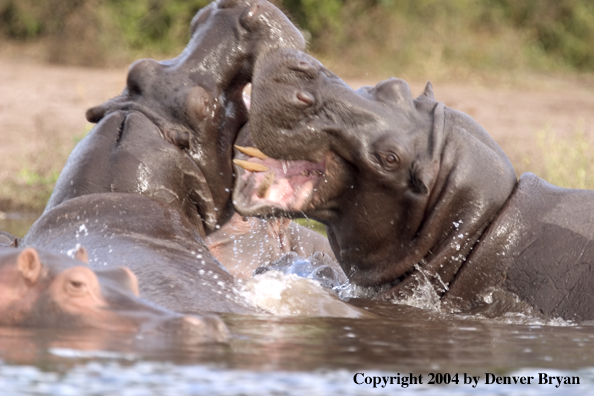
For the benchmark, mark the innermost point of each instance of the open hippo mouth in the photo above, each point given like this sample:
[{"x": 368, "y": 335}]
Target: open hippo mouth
[
  {"x": 265, "y": 186},
  {"x": 290, "y": 186}
]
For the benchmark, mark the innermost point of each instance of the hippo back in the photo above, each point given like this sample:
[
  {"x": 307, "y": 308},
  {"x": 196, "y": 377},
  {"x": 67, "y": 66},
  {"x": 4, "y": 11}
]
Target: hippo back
[
  {"x": 172, "y": 263},
  {"x": 540, "y": 248}
]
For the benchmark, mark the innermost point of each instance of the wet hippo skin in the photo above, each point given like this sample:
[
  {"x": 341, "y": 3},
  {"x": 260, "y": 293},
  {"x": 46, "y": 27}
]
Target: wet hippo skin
[
  {"x": 154, "y": 176},
  {"x": 44, "y": 289},
  {"x": 413, "y": 192}
]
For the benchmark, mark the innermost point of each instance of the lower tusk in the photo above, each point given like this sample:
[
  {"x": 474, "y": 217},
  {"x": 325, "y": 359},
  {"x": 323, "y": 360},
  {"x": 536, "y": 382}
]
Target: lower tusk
[
  {"x": 252, "y": 152},
  {"x": 251, "y": 166}
]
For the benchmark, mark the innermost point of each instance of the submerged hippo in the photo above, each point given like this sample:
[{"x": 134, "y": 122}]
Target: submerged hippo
[
  {"x": 414, "y": 193},
  {"x": 154, "y": 176},
  {"x": 44, "y": 289}
]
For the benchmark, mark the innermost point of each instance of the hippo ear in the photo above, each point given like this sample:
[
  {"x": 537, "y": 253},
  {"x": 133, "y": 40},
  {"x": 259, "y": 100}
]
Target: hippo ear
[
  {"x": 29, "y": 265},
  {"x": 420, "y": 177},
  {"x": 181, "y": 139},
  {"x": 15, "y": 243},
  {"x": 395, "y": 91},
  {"x": 424, "y": 170},
  {"x": 428, "y": 92},
  {"x": 82, "y": 255},
  {"x": 95, "y": 114}
]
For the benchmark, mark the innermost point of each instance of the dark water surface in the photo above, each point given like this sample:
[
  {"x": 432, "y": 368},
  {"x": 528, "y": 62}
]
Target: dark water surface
[{"x": 271, "y": 355}]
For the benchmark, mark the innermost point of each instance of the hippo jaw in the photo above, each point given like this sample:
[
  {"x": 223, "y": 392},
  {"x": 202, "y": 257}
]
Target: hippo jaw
[
  {"x": 195, "y": 98},
  {"x": 408, "y": 187}
]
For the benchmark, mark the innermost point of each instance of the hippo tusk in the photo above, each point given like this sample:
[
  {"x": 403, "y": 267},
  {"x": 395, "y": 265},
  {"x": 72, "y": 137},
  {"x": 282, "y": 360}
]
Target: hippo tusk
[
  {"x": 251, "y": 166},
  {"x": 252, "y": 152}
]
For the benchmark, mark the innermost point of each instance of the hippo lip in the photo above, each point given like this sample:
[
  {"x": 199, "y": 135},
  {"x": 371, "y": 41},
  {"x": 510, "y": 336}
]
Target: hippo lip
[{"x": 287, "y": 185}]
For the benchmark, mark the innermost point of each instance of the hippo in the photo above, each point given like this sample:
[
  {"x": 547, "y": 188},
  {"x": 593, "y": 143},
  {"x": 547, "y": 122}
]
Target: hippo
[
  {"x": 45, "y": 289},
  {"x": 415, "y": 196},
  {"x": 154, "y": 177}
]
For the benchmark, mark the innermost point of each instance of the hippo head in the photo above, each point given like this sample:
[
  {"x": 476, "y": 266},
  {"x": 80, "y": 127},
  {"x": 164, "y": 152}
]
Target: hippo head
[
  {"x": 43, "y": 289},
  {"x": 195, "y": 101},
  {"x": 402, "y": 184}
]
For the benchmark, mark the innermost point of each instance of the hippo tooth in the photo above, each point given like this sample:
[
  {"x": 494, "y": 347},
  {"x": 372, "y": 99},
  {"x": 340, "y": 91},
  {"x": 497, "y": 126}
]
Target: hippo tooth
[
  {"x": 264, "y": 188},
  {"x": 251, "y": 166},
  {"x": 252, "y": 152}
]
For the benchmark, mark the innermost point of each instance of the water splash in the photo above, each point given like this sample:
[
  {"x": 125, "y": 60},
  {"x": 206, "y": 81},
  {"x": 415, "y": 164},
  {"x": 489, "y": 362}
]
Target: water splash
[{"x": 291, "y": 295}]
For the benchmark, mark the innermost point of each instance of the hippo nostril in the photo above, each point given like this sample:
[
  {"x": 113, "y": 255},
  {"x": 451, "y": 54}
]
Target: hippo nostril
[
  {"x": 305, "y": 67},
  {"x": 304, "y": 98},
  {"x": 140, "y": 74}
]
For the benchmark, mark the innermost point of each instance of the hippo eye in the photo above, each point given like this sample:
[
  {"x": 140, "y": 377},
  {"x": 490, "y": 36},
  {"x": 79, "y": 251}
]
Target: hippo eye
[
  {"x": 76, "y": 287},
  {"x": 389, "y": 160}
]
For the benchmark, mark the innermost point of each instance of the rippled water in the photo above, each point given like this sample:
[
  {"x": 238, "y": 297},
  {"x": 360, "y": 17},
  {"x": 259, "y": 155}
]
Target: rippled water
[
  {"x": 296, "y": 356},
  {"x": 273, "y": 355}
]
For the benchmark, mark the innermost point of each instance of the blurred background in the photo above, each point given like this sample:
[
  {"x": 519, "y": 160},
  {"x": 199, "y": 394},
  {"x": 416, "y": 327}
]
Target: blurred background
[
  {"x": 523, "y": 69},
  {"x": 370, "y": 36}
]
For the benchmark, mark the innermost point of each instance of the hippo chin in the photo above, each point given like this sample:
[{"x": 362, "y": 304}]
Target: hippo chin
[
  {"x": 153, "y": 178},
  {"x": 412, "y": 192},
  {"x": 44, "y": 289}
]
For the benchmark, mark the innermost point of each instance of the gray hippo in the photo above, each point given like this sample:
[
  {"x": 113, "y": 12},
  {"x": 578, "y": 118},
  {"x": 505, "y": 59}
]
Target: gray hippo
[
  {"x": 154, "y": 176},
  {"x": 44, "y": 289},
  {"x": 413, "y": 193}
]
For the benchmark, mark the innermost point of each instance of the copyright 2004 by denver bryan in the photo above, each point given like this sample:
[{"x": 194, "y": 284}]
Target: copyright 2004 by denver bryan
[{"x": 410, "y": 380}]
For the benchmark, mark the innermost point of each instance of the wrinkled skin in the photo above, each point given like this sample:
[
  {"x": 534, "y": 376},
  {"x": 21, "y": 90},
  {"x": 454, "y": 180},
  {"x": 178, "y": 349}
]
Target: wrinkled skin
[
  {"x": 43, "y": 289},
  {"x": 154, "y": 176},
  {"x": 539, "y": 248},
  {"x": 412, "y": 191}
]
